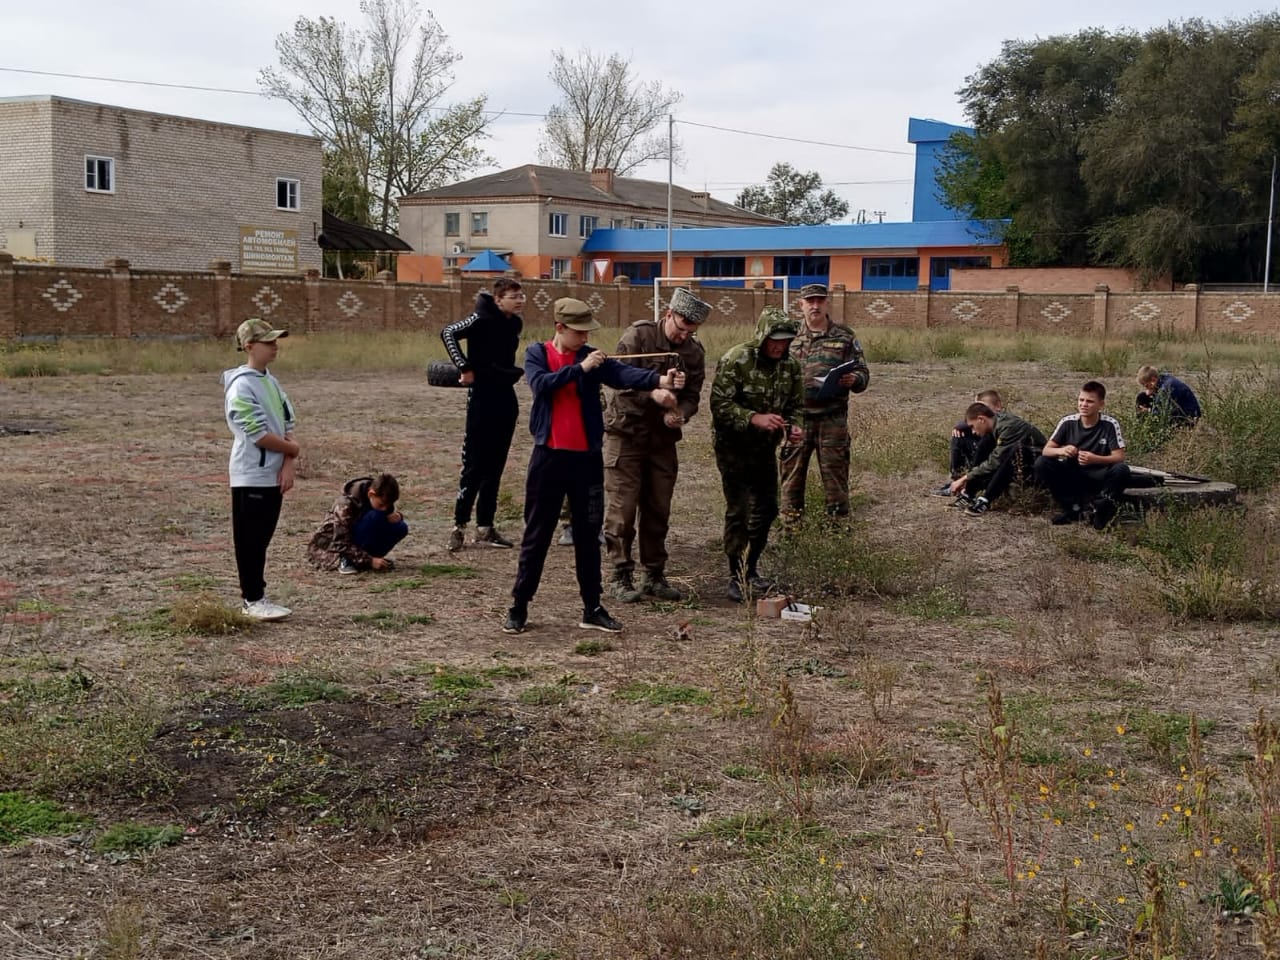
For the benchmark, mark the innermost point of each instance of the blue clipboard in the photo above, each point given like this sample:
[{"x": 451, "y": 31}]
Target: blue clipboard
[{"x": 829, "y": 386}]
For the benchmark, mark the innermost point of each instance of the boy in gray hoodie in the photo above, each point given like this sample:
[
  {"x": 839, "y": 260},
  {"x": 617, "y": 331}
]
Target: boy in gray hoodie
[{"x": 263, "y": 458}]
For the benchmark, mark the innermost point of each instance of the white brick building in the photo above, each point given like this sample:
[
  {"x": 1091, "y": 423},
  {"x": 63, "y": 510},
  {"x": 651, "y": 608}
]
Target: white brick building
[{"x": 83, "y": 183}]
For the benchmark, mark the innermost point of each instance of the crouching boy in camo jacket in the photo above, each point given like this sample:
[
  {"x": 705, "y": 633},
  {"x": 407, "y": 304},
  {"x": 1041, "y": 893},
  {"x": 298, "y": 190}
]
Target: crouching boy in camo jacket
[{"x": 361, "y": 528}]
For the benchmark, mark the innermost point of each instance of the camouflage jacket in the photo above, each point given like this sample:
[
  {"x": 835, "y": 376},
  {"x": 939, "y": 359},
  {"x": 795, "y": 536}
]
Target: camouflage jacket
[
  {"x": 746, "y": 382},
  {"x": 818, "y": 353},
  {"x": 1009, "y": 431},
  {"x": 332, "y": 541},
  {"x": 631, "y": 412}
]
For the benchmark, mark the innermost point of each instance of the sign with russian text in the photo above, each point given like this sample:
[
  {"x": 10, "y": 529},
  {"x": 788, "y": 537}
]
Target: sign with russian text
[{"x": 263, "y": 250}]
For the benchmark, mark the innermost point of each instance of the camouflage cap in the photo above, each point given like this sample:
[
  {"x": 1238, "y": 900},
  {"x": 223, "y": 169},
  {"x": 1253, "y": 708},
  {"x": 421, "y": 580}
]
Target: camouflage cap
[
  {"x": 575, "y": 314},
  {"x": 257, "y": 330},
  {"x": 813, "y": 290},
  {"x": 685, "y": 304}
]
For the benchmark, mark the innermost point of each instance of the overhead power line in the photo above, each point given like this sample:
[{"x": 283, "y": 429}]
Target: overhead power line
[
  {"x": 140, "y": 83},
  {"x": 192, "y": 86},
  {"x": 815, "y": 143}
]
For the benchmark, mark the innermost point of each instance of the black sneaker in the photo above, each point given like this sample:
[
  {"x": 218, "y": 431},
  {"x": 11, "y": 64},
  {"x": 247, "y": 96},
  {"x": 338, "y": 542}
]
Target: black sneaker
[
  {"x": 1071, "y": 515},
  {"x": 1104, "y": 511},
  {"x": 490, "y": 537},
  {"x": 942, "y": 491},
  {"x": 978, "y": 508},
  {"x": 517, "y": 618},
  {"x": 346, "y": 566},
  {"x": 623, "y": 588},
  {"x": 599, "y": 619},
  {"x": 759, "y": 584},
  {"x": 962, "y": 501},
  {"x": 655, "y": 585},
  {"x": 566, "y": 536},
  {"x": 734, "y": 592}
]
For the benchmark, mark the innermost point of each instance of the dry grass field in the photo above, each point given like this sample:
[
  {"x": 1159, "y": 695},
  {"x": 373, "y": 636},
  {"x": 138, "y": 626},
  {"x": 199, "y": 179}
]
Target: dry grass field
[{"x": 998, "y": 739}]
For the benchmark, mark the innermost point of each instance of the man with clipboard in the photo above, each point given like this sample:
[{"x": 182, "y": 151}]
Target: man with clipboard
[{"x": 834, "y": 367}]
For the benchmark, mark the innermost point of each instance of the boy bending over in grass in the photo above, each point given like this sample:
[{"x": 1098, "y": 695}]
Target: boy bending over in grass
[
  {"x": 361, "y": 528},
  {"x": 1014, "y": 446}
]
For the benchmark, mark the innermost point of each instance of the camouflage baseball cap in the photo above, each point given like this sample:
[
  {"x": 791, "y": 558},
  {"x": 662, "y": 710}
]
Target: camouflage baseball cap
[
  {"x": 257, "y": 330},
  {"x": 813, "y": 290},
  {"x": 688, "y": 306},
  {"x": 575, "y": 314}
]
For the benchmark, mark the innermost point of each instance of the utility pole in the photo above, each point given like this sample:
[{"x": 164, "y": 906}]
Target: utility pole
[
  {"x": 879, "y": 215},
  {"x": 1271, "y": 209},
  {"x": 671, "y": 153}
]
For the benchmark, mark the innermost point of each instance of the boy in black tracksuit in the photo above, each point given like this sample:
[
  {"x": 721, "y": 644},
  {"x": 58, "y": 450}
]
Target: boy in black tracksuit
[
  {"x": 1083, "y": 462},
  {"x": 488, "y": 367}
]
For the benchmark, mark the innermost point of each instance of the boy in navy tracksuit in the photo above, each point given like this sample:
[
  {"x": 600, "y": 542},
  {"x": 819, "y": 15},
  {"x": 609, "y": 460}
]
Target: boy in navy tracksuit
[
  {"x": 567, "y": 423},
  {"x": 263, "y": 458}
]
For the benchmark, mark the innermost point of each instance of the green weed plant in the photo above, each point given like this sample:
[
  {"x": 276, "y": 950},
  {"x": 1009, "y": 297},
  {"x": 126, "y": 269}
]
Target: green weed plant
[
  {"x": 23, "y": 816},
  {"x": 136, "y": 838}
]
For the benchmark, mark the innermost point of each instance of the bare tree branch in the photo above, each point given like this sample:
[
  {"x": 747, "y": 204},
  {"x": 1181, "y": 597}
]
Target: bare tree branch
[
  {"x": 606, "y": 117},
  {"x": 372, "y": 93}
]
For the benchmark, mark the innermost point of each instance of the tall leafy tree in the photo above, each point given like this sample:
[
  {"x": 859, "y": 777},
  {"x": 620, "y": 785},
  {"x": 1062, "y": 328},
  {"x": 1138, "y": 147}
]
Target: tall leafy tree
[
  {"x": 606, "y": 116},
  {"x": 1157, "y": 164},
  {"x": 1152, "y": 152},
  {"x": 1030, "y": 109},
  {"x": 373, "y": 94},
  {"x": 793, "y": 196}
]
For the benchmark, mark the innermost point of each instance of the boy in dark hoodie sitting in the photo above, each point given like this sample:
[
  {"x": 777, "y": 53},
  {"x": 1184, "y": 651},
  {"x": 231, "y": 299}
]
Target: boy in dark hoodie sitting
[{"x": 361, "y": 528}]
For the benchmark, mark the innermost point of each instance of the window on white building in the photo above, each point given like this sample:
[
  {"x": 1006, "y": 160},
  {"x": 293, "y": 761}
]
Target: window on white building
[
  {"x": 558, "y": 224},
  {"x": 100, "y": 174},
  {"x": 480, "y": 224},
  {"x": 560, "y": 268},
  {"x": 287, "y": 194},
  {"x": 586, "y": 225}
]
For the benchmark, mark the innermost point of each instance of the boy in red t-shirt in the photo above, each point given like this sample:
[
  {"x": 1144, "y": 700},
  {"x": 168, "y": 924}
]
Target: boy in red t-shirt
[{"x": 567, "y": 423}]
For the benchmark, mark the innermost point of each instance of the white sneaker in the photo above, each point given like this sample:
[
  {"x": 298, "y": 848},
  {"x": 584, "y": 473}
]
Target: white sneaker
[{"x": 264, "y": 609}]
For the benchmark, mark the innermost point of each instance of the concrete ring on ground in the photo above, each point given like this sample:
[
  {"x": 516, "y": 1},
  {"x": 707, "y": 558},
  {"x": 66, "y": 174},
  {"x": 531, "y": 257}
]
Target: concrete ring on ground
[
  {"x": 442, "y": 373},
  {"x": 1172, "y": 490}
]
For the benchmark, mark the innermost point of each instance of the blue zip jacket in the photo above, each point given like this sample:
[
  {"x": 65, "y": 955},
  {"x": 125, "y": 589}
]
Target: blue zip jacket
[
  {"x": 543, "y": 382},
  {"x": 1185, "y": 405}
]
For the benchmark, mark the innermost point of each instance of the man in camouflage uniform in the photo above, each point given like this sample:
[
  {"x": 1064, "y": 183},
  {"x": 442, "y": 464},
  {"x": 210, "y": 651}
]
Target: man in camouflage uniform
[
  {"x": 820, "y": 347},
  {"x": 757, "y": 392},
  {"x": 642, "y": 428}
]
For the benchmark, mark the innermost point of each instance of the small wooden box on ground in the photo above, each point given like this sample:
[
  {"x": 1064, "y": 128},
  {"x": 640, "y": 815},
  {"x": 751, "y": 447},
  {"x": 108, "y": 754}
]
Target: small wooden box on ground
[{"x": 771, "y": 607}]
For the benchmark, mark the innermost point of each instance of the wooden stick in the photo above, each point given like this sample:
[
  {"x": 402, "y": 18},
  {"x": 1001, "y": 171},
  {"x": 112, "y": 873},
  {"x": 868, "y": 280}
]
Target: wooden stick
[{"x": 641, "y": 356}]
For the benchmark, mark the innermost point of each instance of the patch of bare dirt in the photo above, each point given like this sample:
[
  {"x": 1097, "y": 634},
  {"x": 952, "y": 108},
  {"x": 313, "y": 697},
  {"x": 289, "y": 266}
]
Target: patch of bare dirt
[{"x": 510, "y": 828}]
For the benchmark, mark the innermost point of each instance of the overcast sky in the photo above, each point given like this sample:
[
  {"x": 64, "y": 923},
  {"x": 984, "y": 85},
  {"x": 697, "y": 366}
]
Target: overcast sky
[{"x": 846, "y": 73}]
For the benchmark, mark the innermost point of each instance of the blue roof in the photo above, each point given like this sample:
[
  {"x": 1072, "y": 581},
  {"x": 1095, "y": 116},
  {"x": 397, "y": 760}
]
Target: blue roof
[
  {"x": 931, "y": 131},
  {"x": 832, "y": 237},
  {"x": 487, "y": 262}
]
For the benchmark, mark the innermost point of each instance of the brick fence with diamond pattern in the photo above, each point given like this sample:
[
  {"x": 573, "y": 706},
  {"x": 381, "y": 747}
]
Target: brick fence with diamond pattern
[{"x": 40, "y": 301}]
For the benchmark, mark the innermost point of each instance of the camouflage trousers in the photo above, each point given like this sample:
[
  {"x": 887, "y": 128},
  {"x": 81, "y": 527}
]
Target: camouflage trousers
[
  {"x": 749, "y": 479},
  {"x": 829, "y": 439}
]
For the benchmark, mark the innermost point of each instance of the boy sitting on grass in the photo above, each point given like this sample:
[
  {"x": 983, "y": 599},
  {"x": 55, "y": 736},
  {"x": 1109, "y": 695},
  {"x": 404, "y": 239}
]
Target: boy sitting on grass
[
  {"x": 361, "y": 528},
  {"x": 1083, "y": 462},
  {"x": 1015, "y": 444},
  {"x": 967, "y": 448}
]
